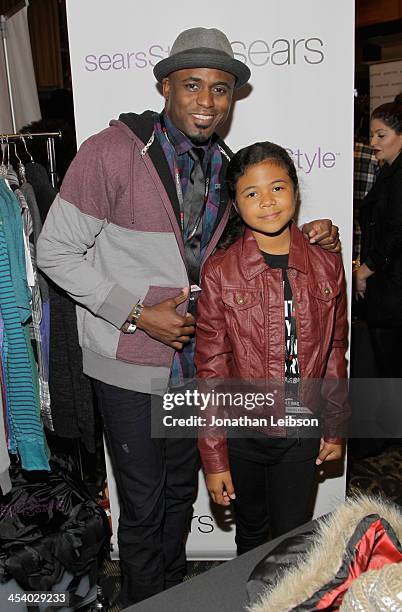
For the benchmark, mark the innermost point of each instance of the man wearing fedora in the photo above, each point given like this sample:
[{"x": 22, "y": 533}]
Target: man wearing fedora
[{"x": 141, "y": 208}]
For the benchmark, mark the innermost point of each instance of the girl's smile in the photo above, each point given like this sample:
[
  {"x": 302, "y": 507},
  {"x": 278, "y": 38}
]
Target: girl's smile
[{"x": 266, "y": 202}]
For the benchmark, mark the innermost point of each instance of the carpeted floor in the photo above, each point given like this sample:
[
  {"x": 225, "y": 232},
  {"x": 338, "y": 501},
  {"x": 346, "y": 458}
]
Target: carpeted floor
[{"x": 380, "y": 474}]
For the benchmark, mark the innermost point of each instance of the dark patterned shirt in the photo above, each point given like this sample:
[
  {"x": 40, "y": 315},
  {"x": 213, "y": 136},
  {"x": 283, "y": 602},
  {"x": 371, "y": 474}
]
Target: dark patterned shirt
[{"x": 176, "y": 148}]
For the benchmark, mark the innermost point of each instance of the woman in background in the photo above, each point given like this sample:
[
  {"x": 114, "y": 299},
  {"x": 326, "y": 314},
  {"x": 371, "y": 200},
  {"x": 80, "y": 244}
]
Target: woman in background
[{"x": 378, "y": 279}]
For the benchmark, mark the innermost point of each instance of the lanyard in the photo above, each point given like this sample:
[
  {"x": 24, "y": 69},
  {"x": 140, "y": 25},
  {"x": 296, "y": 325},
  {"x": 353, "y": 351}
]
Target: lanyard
[{"x": 180, "y": 196}]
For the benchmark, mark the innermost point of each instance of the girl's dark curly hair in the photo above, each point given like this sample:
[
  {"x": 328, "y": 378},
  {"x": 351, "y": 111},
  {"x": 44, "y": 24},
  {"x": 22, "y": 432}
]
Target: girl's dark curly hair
[
  {"x": 390, "y": 114},
  {"x": 243, "y": 159}
]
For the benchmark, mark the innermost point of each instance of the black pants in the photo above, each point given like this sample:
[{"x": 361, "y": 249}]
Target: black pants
[
  {"x": 386, "y": 343},
  {"x": 157, "y": 482},
  {"x": 271, "y": 498}
]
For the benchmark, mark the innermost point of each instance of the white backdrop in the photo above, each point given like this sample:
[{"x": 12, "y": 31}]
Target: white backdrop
[{"x": 300, "y": 96}]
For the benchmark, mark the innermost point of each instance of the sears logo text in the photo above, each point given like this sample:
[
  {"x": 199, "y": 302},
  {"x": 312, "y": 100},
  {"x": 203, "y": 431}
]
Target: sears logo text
[
  {"x": 255, "y": 53},
  {"x": 280, "y": 52}
]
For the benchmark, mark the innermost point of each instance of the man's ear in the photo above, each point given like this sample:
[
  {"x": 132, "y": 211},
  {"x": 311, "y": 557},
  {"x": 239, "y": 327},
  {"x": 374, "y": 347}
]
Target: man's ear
[{"x": 166, "y": 88}]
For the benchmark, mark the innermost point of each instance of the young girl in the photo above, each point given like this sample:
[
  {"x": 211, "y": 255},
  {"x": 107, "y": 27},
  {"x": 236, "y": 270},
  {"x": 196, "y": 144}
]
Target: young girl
[{"x": 273, "y": 306}]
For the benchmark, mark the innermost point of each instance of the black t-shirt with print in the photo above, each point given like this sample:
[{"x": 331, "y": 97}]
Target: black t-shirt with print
[
  {"x": 260, "y": 447},
  {"x": 292, "y": 375}
]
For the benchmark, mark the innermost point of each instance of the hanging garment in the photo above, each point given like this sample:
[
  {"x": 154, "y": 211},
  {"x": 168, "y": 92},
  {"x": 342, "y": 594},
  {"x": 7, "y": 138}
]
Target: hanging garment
[
  {"x": 2, "y": 377},
  {"x": 12, "y": 232},
  {"x": 22, "y": 74},
  {"x": 27, "y": 230},
  {"x": 34, "y": 325},
  {"x": 70, "y": 390},
  {"x": 29, "y": 194},
  {"x": 45, "y": 193},
  {"x": 5, "y": 483},
  {"x": 30, "y": 198},
  {"x": 12, "y": 177},
  {"x": 26, "y": 430}
]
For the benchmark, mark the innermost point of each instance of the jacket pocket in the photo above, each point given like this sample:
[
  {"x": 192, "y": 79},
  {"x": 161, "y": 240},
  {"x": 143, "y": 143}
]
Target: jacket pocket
[
  {"x": 325, "y": 290},
  {"x": 242, "y": 313},
  {"x": 240, "y": 299},
  {"x": 322, "y": 296},
  {"x": 139, "y": 348}
]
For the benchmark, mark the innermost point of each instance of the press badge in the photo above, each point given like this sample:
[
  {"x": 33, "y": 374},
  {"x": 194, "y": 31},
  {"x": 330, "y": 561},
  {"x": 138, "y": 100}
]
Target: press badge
[{"x": 195, "y": 291}]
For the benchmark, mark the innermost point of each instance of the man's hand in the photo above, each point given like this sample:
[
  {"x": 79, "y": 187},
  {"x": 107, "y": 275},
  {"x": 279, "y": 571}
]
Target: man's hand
[
  {"x": 323, "y": 233},
  {"x": 221, "y": 488},
  {"x": 329, "y": 452},
  {"x": 163, "y": 323}
]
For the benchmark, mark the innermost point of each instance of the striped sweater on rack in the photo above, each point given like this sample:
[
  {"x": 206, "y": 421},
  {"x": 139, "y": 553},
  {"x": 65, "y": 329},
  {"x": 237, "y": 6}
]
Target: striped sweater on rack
[{"x": 26, "y": 430}]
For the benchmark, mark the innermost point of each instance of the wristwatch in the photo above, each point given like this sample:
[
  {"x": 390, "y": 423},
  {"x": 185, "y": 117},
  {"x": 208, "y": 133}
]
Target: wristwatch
[{"x": 130, "y": 324}]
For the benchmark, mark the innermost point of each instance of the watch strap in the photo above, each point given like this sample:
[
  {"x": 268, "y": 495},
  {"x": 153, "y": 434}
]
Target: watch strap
[{"x": 130, "y": 324}]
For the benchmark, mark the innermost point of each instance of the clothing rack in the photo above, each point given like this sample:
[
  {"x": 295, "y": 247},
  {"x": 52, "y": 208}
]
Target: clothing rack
[{"x": 51, "y": 154}]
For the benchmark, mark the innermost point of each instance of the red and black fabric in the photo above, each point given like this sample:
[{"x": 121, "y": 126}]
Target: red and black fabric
[
  {"x": 372, "y": 541},
  {"x": 373, "y": 545}
]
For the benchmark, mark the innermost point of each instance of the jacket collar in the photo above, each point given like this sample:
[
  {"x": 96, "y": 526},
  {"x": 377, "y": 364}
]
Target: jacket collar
[
  {"x": 388, "y": 170},
  {"x": 252, "y": 262},
  {"x": 298, "y": 249},
  {"x": 143, "y": 127}
]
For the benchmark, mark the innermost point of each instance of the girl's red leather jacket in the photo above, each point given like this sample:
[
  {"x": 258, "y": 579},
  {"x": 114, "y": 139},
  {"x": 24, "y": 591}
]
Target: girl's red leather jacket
[{"x": 241, "y": 328}]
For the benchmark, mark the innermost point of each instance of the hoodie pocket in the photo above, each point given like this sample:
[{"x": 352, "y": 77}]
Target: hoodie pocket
[{"x": 139, "y": 348}]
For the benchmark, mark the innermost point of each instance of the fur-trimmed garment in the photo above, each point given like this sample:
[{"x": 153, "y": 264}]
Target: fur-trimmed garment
[
  {"x": 376, "y": 590},
  {"x": 364, "y": 533}
]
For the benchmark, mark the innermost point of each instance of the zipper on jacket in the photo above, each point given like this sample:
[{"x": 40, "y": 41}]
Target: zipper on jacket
[
  {"x": 131, "y": 183},
  {"x": 144, "y": 151},
  {"x": 266, "y": 328},
  {"x": 297, "y": 323}
]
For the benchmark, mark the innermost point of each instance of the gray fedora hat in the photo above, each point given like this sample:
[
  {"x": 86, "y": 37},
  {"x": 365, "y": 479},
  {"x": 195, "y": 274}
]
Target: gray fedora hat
[{"x": 202, "y": 48}]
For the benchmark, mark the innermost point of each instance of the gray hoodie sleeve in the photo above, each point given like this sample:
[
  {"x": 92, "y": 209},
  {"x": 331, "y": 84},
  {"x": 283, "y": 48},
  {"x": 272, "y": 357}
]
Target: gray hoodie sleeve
[{"x": 74, "y": 223}]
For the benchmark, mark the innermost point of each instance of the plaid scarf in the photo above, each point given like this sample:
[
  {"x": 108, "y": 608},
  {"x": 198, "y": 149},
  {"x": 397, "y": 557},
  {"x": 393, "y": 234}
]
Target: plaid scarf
[
  {"x": 176, "y": 148},
  {"x": 365, "y": 172}
]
